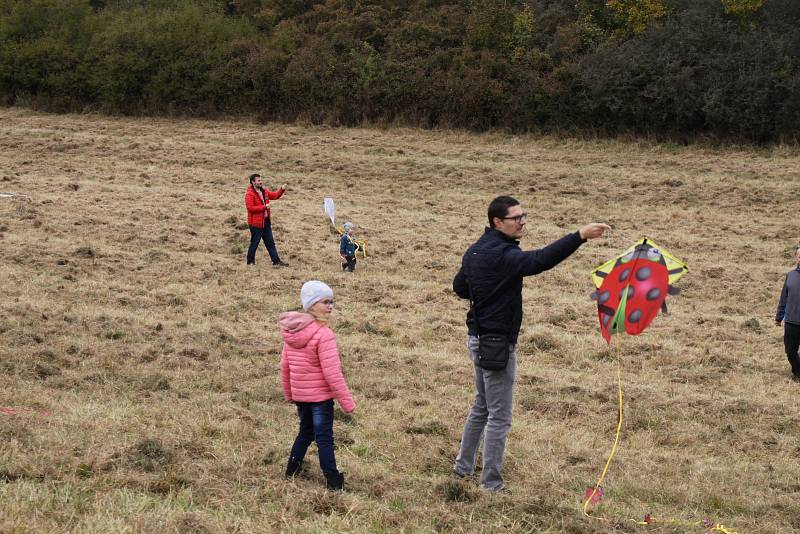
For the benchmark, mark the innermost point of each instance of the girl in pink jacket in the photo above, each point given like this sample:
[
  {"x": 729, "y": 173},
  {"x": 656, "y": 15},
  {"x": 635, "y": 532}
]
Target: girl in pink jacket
[{"x": 311, "y": 375}]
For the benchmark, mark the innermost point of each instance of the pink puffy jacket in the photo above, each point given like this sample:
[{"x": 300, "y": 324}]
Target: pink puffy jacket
[{"x": 310, "y": 367}]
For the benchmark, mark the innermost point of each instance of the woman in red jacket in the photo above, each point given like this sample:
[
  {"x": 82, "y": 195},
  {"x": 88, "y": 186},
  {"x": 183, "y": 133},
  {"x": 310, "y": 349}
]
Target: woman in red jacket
[{"x": 259, "y": 220}]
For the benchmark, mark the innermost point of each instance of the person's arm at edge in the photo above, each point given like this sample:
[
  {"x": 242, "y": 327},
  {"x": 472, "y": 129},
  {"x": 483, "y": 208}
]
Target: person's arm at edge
[{"x": 781, "y": 312}]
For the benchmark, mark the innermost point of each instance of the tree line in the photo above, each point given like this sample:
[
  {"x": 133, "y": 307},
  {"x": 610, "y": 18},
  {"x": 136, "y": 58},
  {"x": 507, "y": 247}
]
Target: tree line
[{"x": 723, "y": 68}]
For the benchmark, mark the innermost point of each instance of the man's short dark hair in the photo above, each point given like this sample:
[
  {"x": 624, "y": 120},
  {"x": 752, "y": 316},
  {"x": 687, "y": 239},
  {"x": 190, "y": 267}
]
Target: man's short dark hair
[
  {"x": 499, "y": 208},
  {"x": 253, "y": 177}
]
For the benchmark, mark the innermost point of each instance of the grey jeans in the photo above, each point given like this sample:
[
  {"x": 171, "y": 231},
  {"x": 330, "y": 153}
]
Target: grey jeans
[{"x": 490, "y": 414}]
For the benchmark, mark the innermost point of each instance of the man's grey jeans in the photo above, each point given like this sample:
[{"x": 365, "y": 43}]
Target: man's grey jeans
[{"x": 491, "y": 411}]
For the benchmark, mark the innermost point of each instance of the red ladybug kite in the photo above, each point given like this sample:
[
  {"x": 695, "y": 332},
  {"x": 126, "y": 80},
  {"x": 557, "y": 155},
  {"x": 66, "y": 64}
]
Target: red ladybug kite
[{"x": 633, "y": 287}]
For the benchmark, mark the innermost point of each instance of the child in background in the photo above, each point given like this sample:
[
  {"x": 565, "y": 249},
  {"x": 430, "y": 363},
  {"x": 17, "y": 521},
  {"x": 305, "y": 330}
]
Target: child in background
[
  {"x": 347, "y": 248},
  {"x": 311, "y": 376}
]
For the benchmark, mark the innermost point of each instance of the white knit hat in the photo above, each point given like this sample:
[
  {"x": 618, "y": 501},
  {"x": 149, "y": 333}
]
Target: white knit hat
[
  {"x": 313, "y": 291},
  {"x": 348, "y": 225}
]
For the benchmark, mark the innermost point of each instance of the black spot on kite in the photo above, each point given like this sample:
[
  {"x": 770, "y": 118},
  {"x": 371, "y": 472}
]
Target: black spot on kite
[
  {"x": 635, "y": 315},
  {"x": 624, "y": 274},
  {"x": 643, "y": 273},
  {"x": 653, "y": 294},
  {"x": 602, "y": 297},
  {"x": 606, "y": 319}
]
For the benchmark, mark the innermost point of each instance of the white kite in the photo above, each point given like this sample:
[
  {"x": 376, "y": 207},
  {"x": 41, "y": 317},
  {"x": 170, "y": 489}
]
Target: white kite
[{"x": 330, "y": 210}]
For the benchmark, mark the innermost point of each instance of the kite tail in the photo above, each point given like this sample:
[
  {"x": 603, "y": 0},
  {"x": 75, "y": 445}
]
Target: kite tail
[
  {"x": 649, "y": 520},
  {"x": 619, "y": 428}
]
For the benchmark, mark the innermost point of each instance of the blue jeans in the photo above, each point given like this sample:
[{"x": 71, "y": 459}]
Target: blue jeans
[
  {"x": 316, "y": 424},
  {"x": 489, "y": 420},
  {"x": 256, "y": 235}
]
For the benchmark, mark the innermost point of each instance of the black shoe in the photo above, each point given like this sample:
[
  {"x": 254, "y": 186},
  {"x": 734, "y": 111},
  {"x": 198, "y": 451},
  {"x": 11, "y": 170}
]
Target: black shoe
[
  {"x": 334, "y": 481},
  {"x": 280, "y": 263},
  {"x": 293, "y": 467}
]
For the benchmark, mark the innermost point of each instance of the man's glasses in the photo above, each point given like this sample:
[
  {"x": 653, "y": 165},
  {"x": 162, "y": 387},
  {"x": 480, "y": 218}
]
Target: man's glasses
[{"x": 517, "y": 218}]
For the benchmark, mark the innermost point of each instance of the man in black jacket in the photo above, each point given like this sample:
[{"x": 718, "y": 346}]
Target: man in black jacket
[
  {"x": 789, "y": 314},
  {"x": 491, "y": 276}
]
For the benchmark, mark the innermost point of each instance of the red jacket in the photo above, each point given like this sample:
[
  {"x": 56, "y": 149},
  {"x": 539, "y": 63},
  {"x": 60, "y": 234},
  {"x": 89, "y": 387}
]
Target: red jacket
[{"x": 257, "y": 207}]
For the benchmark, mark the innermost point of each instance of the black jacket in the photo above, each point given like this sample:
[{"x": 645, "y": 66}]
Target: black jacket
[
  {"x": 789, "y": 305},
  {"x": 496, "y": 257}
]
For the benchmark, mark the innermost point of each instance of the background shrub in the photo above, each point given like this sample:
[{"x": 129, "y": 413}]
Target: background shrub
[{"x": 667, "y": 67}]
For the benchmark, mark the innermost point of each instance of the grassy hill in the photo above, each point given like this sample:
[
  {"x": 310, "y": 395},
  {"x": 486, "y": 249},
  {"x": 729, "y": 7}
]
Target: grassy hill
[{"x": 141, "y": 355}]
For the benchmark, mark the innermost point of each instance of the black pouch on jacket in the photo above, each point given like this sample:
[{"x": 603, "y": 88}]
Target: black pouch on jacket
[
  {"x": 493, "y": 349},
  {"x": 493, "y": 352}
]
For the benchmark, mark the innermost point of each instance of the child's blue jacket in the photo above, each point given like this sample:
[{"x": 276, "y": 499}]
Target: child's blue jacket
[{"x": 347, "y": 247}]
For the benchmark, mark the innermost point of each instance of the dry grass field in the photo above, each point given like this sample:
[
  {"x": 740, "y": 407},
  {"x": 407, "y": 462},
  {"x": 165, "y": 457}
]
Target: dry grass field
[{"x": 139, "y": 356}]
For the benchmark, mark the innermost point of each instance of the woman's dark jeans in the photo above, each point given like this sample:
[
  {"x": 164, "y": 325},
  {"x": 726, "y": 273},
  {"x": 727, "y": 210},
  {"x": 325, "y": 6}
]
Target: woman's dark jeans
[
  {"x": 316, "y": 424},
  {"x": 256, "y": 235}
]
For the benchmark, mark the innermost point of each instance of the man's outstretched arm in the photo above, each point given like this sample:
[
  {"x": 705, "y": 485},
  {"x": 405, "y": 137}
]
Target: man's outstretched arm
[{"x": 530, "y": 262}]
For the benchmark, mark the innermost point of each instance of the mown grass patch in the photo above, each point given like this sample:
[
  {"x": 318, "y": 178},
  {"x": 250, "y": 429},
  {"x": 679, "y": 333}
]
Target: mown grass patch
[{"x": 147, "y": 354}]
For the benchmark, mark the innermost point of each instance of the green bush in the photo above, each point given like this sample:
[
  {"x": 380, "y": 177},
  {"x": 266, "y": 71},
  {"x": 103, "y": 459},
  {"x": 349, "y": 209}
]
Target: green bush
[{"x": 665, "y": 67}]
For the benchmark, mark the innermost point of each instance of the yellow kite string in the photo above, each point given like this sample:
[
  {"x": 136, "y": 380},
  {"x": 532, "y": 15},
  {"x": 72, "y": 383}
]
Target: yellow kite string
[
  {"x": 361, "y": 245},
  {"x": 717, "y": 527},
  {"x": 619, "y": 428}
]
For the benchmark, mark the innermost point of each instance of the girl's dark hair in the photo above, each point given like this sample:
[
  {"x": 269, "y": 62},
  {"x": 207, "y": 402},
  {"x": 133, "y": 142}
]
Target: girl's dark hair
[
  {"x": 253, "y": 177},
  {"x": 499, "y": 208}
]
